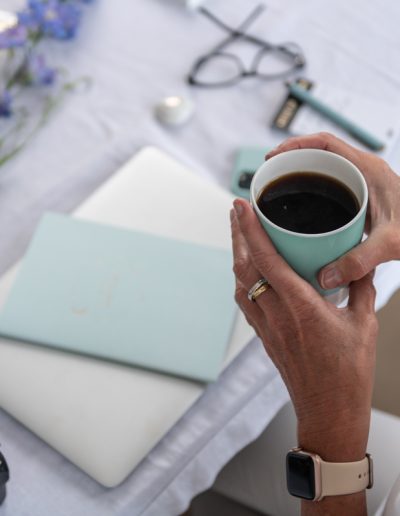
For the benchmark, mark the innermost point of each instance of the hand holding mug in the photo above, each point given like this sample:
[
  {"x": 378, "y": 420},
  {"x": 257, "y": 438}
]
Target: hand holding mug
[
  {"x": 312, "y": 203},
  {"x": 325, "y": 354},
  {"x": 383, "y": 213}
]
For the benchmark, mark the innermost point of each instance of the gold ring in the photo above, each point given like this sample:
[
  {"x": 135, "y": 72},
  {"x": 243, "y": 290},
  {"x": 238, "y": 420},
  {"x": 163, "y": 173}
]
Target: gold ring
[{"x": 258, "y": 288}]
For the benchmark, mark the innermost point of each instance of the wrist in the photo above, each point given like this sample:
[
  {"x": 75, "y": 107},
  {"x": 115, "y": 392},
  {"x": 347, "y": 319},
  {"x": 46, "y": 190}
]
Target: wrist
[
  {"x": 342, "y": 442},
  {"x": 337, "y": 431},
  {"x": 336, "y": 436},
  {"x": 338, "y": 488}
]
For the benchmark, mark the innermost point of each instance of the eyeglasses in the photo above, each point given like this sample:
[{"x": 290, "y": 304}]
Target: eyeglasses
[{"x": 219, "y": 68}]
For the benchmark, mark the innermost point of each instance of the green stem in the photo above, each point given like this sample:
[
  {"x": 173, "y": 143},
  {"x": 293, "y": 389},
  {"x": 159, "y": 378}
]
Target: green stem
[
  {"x": 16, "y": 78},
  {"x": 50, "y": 106}
]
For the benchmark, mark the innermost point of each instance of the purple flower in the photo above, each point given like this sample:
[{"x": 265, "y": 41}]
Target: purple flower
[
  {"x": 28, "y": 20},
  {"x": 53, "y": 18},
  {"x": 14, "y": 37},
  {"x": 5, "y": 103},
  {"x": 37, "y": 73}
]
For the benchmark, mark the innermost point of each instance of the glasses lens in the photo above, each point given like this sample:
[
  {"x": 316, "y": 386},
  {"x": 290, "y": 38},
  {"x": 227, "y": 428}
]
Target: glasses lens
[
  {"x": 275, "y": 63},
  {"x": 218, "y": 69}
]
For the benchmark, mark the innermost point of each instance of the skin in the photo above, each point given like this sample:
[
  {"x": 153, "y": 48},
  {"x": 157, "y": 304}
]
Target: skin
[
  {"x": 383, "y": 216},
  {"x": 325, "y": 354},
  {"x": 315, "y": 346}
]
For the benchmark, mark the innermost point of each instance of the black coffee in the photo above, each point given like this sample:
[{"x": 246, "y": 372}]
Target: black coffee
[{"x": 308, "y": 202}]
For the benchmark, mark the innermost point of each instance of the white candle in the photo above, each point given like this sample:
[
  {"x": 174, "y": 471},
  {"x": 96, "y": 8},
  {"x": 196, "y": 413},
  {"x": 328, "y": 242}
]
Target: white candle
[{"x": 174, "y": 110}]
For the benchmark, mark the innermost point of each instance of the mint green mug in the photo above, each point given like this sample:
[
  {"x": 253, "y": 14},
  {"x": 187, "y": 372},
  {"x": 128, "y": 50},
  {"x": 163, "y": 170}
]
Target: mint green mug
[{"x": 308, "y": 253}]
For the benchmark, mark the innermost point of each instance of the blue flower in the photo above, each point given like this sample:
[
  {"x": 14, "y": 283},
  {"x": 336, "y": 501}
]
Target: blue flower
[
  {"x": 14, "y": 37},
  {"x": 28, "y": 20},
  {"x": 37, "y": 73},
  {"x": 5, "y": 103},
  {"x": 54, "y": 18}
]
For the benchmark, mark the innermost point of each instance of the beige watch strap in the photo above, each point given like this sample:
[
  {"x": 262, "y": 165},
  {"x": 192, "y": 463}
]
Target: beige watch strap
[{"x": 340, "y": 478}]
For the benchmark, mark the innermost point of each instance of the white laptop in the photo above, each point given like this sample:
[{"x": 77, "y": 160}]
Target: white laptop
[{"x": 105, "y": 417}]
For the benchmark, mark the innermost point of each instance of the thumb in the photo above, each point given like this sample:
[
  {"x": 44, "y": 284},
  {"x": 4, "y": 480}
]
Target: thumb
[
  {"x": 362, "y": 294},
  {"x": 355, "y": 264}
]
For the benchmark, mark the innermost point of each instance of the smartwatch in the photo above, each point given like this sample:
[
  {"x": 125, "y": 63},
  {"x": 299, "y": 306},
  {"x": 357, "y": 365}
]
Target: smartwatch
[{"x": 311, "y": 478}]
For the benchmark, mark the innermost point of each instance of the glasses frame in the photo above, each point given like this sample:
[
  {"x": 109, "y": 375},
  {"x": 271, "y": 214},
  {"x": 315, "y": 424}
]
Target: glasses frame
[{"x": 288, "y": 50}]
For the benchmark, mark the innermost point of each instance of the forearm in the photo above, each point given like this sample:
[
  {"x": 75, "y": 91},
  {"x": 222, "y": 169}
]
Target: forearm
[
  {"x": 336, "y": 439},
  {"x": 348, "y": 505},
  {"x": 339, "y": 442}
]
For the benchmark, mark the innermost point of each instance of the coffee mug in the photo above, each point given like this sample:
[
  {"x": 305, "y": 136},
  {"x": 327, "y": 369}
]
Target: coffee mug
[{"x": 308, "y": 253}]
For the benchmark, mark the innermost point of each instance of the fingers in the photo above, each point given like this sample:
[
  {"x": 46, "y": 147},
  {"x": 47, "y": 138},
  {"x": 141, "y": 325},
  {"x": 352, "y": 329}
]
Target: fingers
[
  {"x": 323, "y": 141},
  {"x": 256, "y": 318},
  {"x": 242, "y": 266},
  {"x": 251, "y": 311},
  {"x": 246, "y": 276},
  {"x": 256, "y": 313},
  {"x": 362, "y": 295},
  {"x": 245, "y": 272},
  {"x": 285, "y": 282},
  {"x": 360, "y": 260}
]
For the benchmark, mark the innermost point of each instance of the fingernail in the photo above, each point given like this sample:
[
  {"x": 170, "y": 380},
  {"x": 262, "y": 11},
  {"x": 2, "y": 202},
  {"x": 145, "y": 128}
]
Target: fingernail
[
  {"x": 232, "y": 214},
  {"x": 238, "y": 208},
  {"x": 331, "y": 278}
]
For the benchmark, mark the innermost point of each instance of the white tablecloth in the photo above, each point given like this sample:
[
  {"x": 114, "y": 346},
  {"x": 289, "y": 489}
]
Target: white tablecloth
[{"x": 137, "y": 52}]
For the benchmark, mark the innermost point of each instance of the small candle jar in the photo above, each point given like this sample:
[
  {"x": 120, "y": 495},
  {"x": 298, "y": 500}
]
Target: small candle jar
[{"x": 174, "y": 110}]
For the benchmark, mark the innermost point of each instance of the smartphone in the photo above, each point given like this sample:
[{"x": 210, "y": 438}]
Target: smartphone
[{"x": 247, "y": 161}]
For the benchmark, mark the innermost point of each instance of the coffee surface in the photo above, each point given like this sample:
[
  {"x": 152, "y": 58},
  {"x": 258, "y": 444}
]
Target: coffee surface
[{"x": 308, "y": 202}]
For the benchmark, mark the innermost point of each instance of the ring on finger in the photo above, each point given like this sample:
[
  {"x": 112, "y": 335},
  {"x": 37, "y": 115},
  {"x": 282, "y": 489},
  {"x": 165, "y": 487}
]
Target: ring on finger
[{"x": 258, "y": 288}]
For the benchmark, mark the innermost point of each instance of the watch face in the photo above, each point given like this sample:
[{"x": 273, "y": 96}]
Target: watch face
[{"x": 300, "y": 475}]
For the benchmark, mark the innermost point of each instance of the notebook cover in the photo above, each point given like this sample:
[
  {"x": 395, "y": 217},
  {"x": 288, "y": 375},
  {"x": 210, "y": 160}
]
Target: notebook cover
[{"x": 124, "y": 295}]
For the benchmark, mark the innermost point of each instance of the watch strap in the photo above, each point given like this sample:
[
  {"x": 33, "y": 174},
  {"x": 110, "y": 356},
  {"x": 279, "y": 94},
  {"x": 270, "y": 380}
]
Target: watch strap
[{"x": 341, "y": 478}]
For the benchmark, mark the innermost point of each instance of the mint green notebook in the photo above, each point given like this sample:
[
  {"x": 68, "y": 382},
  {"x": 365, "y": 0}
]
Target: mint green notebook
[{"x": 123, "y": 295}]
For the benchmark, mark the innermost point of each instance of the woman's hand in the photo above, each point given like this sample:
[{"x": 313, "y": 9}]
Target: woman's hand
[
  {"x": 383, "y": 215},
  {"x": 326, "y": 355}
]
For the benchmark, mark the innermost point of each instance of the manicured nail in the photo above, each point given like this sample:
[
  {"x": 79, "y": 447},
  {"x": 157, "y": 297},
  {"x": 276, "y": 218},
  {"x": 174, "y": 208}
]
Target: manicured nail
[
  {"x": 238, "y": 208},
  {"x": 331, "y": 278}
]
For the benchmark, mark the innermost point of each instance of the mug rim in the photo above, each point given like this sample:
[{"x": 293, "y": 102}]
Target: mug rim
[{"x": 360, "y": 212}]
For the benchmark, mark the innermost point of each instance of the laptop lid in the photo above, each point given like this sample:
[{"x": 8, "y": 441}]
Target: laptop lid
[{"x": 105, "y": 417}]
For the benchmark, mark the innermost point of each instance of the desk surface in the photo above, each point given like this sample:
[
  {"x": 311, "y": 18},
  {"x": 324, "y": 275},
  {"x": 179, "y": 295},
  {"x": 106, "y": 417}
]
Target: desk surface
[{"x": 136, "y": 53}]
